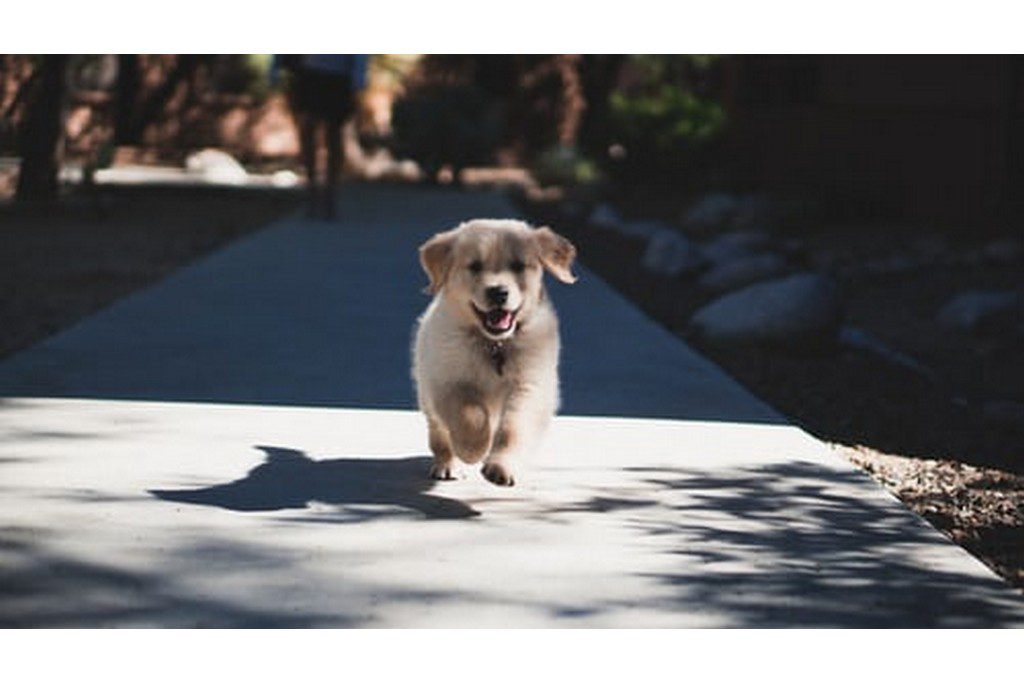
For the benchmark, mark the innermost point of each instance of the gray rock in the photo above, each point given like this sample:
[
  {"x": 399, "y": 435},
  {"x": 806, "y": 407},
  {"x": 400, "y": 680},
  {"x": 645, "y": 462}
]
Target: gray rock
[
  {"x": 285, "y": 178},
  {"x": 216, "y": 167},
  {"x": 642, "y": 229},
  {"x": 974, "y": 310},
  {"x": 799, "y": 309},
  {"x": 733, "y": 245},
  {"x": 752, "y": 212},
  {"x": 1006, "y": 414},
  {"x": 669, "y": 254},
  {"x": 893, "y": 264},
  {"x": 856, "y": 338},
  {"x": 1003, "y": 251},
  {"x": 710, "y": 213},
  {"x": 605, "y": 217},
  {"x": 742, "y": 271}
]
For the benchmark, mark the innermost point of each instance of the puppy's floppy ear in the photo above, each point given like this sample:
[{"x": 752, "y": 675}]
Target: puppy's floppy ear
[
  {"x": 556, "y": 253},
  {"x": 436, "y": 259}
]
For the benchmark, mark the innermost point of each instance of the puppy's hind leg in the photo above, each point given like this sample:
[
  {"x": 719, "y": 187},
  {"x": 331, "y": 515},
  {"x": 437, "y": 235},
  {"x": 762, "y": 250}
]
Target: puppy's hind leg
[{"x": 441, "y": 447}]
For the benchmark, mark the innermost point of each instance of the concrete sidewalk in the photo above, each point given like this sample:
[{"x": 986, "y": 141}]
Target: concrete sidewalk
[{"x": 236, "y": 447}]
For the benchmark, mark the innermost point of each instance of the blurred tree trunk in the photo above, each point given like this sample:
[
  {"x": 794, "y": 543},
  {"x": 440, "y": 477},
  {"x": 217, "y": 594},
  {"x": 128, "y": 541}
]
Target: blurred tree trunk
[
  {"x": 572, "y": 103},
  {"x": 16, "y": 77},
  {"x": 600, "y": 74},
  {"x": 40, "y": 137},
  {"x": 138, "y": 106},
  {"x": 546, "y": 98},
  {"x": 548, "y": 101},
  {"x": 127, "y": 95}
]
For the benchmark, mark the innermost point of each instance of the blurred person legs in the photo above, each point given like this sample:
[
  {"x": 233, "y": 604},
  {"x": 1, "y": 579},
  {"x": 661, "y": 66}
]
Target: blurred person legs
[
  {"x": 321, "y": 188},
  {"x": 335, "y": 158},
  {"x": 323, "y": 95},
  {"x": 324, "y": 102},
  {"x": 308, "y": 143}
]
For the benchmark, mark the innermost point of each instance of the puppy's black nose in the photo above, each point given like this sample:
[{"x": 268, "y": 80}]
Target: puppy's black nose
[{"x": 496, "y": 295}]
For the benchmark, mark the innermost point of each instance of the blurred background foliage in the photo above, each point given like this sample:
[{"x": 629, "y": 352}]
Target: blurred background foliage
[
  {"x": 456, "y": 125},
  {"x": 664, "y": 122},
  {"x": 857, "y": 136},
  {"x": 570, "y": 119}
]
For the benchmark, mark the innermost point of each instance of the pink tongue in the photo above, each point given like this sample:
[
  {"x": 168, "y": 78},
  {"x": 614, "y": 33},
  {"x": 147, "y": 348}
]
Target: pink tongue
[{"x": 499, "y": 319}]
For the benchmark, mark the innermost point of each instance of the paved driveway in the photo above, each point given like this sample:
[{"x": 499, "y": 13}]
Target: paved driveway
[{"x": 236, "y": 446}]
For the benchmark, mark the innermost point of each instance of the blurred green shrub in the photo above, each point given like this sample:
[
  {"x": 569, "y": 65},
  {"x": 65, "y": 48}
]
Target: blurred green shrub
[
  {"x": 661, "y": 124},
  {"x": 566, "y": 167},
  {"x": 458, "y": 125},
  {"x": 243, "y": 75}
]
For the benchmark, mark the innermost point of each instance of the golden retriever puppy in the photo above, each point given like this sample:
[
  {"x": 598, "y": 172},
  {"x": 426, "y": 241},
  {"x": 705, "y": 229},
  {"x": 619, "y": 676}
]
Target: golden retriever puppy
[{"x": 485, "y": 356}]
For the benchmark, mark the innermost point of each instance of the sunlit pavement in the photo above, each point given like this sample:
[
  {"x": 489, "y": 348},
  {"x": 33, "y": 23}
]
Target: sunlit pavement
[{"x": 236, "y": 446}]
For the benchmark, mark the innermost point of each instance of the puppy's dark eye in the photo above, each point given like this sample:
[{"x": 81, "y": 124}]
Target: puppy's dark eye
[
  {"x": 517, "y": 266},
  {"x": 476, "y": 266}
]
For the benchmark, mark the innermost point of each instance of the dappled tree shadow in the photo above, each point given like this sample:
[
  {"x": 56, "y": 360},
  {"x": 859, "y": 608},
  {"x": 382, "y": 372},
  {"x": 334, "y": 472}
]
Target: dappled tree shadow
[
  {"x": 796, "y": 545},
  {"x": 792, "y": 544},
  {"x": 90, "y": 594},
  {"x": 289, "y": 479}
]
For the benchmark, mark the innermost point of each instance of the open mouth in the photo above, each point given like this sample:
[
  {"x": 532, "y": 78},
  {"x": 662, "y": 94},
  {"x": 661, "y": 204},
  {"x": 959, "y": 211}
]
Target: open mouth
[{"x": 496, "y": 321}]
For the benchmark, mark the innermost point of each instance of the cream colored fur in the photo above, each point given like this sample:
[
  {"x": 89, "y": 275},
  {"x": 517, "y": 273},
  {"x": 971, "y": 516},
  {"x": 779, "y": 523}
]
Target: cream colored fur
[{"x": 480, "y": 409}]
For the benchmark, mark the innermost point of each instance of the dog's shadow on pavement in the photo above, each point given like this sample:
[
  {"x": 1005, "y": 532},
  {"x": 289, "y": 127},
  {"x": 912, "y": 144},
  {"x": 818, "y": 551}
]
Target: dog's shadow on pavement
[{"x": 288, "y": 479}]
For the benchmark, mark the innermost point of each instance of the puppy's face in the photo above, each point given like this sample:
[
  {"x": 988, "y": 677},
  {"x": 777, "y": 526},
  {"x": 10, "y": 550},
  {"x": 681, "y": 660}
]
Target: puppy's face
[{"x": 489, "y": 271}]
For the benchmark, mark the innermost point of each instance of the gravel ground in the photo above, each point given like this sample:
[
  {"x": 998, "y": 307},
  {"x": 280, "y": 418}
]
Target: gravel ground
[
  {"x": 980, "y": 508},
  {"x": 926, "y": 440}
]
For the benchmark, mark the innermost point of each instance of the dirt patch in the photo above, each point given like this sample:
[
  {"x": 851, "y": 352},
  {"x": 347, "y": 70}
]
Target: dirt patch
[
  {"x": 925, "y": 438},
  {"x": 61, "y": 262}
]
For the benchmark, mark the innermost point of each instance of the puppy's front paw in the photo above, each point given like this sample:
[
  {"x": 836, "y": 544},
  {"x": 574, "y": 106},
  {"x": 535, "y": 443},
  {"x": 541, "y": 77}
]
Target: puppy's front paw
[
  {"x": 442, "y": 472},
  {"x": 498, "y": 474}
]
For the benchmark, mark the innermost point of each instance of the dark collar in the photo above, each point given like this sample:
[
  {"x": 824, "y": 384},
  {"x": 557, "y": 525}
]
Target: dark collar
[{"x": 496, "y": 352}]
